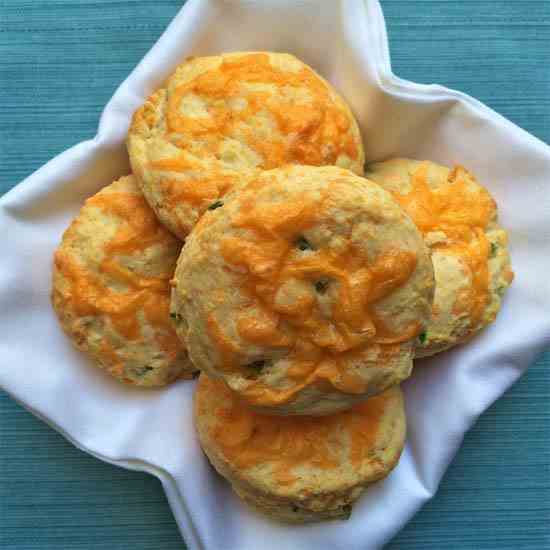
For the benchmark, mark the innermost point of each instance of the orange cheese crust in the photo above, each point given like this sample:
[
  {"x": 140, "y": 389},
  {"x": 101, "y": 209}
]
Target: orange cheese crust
[
  {"x": 463, "y": 213},
  {"x": 247, "y": 439},
  {"x": 97, "y": 280},
  {"x": 220, "y": 117},
  {"x": 314, "y": 125},
  {"x": 318, "y": 348},
  {"x": 280, "y": 307},
  {"x": 457, "y": 217},
  {"x": 300, "y": 468}
]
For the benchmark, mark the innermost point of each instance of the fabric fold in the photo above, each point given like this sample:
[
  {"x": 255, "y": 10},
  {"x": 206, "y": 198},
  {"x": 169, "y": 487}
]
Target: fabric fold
[{"x": 346, "y": 42}]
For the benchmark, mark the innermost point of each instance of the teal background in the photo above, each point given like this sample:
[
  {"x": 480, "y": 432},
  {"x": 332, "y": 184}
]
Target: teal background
[{"x": 60, "y": 62}]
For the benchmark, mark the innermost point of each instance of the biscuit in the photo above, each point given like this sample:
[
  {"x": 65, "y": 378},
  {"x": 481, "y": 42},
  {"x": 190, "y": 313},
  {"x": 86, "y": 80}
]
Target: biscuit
[
  {"x": 299, "y": 469},
  {"x": 304, "y": 290},
  {"x": 111, "y": 287},
  {"x": 458, "y": 218},
  {"x": 218, "y": 117}
]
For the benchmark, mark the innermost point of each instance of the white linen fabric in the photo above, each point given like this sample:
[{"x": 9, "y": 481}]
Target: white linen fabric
[{"x": 152, "y": 430}]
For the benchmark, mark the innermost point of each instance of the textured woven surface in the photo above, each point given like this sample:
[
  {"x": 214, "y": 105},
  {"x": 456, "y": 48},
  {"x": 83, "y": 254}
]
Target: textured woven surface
[{"x": 60, "y": 61}]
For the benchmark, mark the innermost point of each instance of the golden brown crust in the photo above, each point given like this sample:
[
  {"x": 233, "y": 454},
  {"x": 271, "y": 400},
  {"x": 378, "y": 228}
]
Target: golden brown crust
[
  {"x": 299, "y": 469},
  {"x": 218, "y": 118},
  {"x": 458, "y": 218},
  {"x": 305, "y": 290},
  {"x": 111, "y": 288}
]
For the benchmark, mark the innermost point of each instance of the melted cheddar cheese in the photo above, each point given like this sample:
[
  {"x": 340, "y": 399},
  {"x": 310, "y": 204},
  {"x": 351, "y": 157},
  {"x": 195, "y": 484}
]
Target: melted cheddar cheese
[
  {"x": 462, "y": 210},
  {"x": 113, "y": 291},
  {"x": 313, "y": 124},
  {"x": 280, "y": 282},
  {"x": 300, "y": 120},
  {"x": 247, "y": 439}
]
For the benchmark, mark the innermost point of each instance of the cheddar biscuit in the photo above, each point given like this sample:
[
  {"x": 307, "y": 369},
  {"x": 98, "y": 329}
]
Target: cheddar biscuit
[
  {"x": 304, "y": 290},
  {"x": 218, "y": 117},
  {"x": 111, "y": 287},
  {"x": 299, "y": 469},
  {"x": 458, "y": 218}
]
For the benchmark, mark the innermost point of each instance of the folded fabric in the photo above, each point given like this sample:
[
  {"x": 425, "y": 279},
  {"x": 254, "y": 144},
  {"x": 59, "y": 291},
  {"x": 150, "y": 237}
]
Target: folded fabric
[{"x": 152, "y": 430}]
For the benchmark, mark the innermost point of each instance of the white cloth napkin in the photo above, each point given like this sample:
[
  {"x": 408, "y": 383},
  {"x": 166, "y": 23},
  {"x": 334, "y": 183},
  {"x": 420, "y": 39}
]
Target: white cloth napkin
[{"x": 153, "y": 430}]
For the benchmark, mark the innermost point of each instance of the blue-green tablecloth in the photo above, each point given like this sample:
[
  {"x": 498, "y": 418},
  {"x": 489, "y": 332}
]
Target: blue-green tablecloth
[{"x": 60, "y": 61}]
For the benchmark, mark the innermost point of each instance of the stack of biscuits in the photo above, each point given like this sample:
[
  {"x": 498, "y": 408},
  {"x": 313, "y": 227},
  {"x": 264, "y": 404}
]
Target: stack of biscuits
[{"x": 252, "y": 244}]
